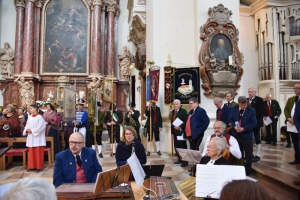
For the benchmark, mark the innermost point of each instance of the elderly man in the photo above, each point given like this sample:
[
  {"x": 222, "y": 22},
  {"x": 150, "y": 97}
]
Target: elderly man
[
  {"x": 288, "y": 112},
  {"x": 243, "y": 120},
  {"x": 223, "y": 111},
  {"x": 256, "y": 102},
  {"x": 271, "y": 109},
  {"x": 78, "y": 164},
  {"x": 231, "y": 143},
  {"x": 181, "y": 114},
  {"x": 230, "y": 99},
  {"x": 196, "y": 124}
]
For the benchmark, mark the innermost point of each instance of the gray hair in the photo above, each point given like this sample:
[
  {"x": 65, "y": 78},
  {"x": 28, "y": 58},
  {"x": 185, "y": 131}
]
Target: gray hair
[
  {"x": 269, "y": 95},
  {"x": 223, "y": 125},
  {"x": 218, "y": 99},
  {"x": 252, "y": 88},
  {"x": 219, "y": 143},
  {"x": 242, "y": 99},
  {"x": 31, "y": 188},
  {"x": 177, "y": 100},
  {"x": 82, "y": 136},
  {"x": 231, "y": 94}
]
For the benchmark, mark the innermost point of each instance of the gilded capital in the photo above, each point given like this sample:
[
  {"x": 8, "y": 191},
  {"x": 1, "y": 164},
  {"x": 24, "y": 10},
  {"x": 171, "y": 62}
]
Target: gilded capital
[
  {"x": 96, "y": 2},
  {"x": 111, "y": 5},
  {"x": 19, "y": 3}
]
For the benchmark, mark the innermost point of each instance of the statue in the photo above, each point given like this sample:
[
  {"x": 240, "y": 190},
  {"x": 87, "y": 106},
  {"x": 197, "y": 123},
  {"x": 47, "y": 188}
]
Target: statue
[
  {"x": 50, "y": 96},
  {"x": 125, "y": 62},
  {"x": 96, "y": 87},
  {"x": 7, "y": 61},
  {"x": 26, "y": 90}
]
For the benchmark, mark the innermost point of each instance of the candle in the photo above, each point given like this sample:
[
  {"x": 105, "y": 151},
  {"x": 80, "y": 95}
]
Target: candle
[{"x": 230, "y": 60}]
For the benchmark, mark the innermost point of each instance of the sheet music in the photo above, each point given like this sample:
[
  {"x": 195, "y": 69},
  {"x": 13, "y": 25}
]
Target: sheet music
[
  {"x": 210, "y": 179},
  {"x": 179, "y": 137},
  {"x": 177, "y": 122},
  {"x": 291, "y": 128},
  {"x": 189, "y": 155},
  {"x": 267, "y": 121},
  {"x": 137, "y": 170}
]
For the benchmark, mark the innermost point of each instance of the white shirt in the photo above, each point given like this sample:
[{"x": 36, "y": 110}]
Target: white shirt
[{"x": 234, "y": 148}]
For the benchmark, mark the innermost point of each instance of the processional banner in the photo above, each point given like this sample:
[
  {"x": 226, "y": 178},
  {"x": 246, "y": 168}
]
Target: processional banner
[
  {"x": 154, "y": 84},
  {"x": 69, "y": 103},
  {"x": 186, "y": 82},
  {"x": 168, "y": 84}
]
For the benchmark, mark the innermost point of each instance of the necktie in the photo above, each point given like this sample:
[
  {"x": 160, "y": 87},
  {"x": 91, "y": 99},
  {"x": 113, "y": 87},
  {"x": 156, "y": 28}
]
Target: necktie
[
  {"x": 78, "y": 160},
  {"x": 228, "y": 103},
  {"x": 175, "y": 113}
]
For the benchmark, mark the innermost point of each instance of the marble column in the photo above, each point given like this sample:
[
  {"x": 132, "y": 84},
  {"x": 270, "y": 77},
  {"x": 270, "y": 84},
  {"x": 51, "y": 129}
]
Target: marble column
[
  {"x": 20, "y": 7},
  {"x": 28, "y": 45},
  {"x": 102, "y": 38},
  {"x": 96, "y": 40},
  {"x": 110, "y": 45},
  {"x": 37, "y": 36},
  {"x": 116, "y": 66}
]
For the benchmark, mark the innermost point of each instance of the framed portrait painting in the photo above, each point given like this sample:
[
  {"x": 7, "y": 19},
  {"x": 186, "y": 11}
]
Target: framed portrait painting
[
  {"x": 221, "y": 46},
  {"x": 65, "y": 37},
  {"x": 108, "y": 90}
]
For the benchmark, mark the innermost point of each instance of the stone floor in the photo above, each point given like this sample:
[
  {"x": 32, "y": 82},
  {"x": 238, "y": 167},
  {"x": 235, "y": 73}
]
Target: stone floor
[{"x": 273, "y": 171}]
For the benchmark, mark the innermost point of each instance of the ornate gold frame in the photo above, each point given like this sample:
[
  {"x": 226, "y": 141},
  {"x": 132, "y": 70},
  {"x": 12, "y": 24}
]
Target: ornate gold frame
[
  {"x": 43, "y": 25},
  {"x": 220, "y": 76}
]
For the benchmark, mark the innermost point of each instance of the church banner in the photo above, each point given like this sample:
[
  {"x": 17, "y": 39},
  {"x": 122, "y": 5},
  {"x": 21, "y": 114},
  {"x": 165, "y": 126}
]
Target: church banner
[
  {"x": 168, "y": 84},
  {"x": 186, "y": 82},
  {"x": 148, "y": 88},
  {"x": 107, "y": 90},
  {"x": 91, "y": 104},
  {"x": 154, "y": 83}
]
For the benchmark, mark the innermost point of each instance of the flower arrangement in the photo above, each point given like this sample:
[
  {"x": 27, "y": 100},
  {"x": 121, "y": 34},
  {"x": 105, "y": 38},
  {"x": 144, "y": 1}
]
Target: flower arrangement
[{"x": 41, "y": 103}]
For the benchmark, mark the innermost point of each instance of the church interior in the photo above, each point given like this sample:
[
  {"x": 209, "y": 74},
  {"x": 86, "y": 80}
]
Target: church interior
[{"x": 62, "y": 50}]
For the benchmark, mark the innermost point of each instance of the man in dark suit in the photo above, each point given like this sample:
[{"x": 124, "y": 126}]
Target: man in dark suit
[
  {"x": 256, "y": 102},
  {"x": 288, "y": 111},
  {"x": 223, "y": 111},
  {"x": 296, "y": 119},
  {"x": 78, "y": 164},
  {"x": 132, "y": 119},
  {"x": 196, "y": 124},
  {"x": 272, "y": 110},
  {"x": 156, "y": 125},
  {"x": 181, "y": 114},
  {"x": 243, "y": 120},
  {"x": 230, "y": 99},
  {"x": 114, "y": 120}
]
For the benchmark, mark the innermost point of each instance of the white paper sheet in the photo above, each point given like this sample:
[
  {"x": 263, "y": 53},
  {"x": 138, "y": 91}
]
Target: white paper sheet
[
  {"x": 137, "y": 170},
  {"x": 291, "y": 128},
  {"x": 177, "y": 122},
  {"x": 267, "y": 121},
  {"x": 179, "y": 137},
  {"x": 210, "y": 179}
]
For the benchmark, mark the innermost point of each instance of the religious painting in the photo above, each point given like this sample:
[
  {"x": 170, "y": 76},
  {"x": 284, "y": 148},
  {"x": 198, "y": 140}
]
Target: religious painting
[
  {"x": 69, "y": 103},
  {"x": 108, "y": 90},
  {"x": 220, "y": 45},
  {"x": 186, "y": 84},
  {"x": 65, "y": 38}
]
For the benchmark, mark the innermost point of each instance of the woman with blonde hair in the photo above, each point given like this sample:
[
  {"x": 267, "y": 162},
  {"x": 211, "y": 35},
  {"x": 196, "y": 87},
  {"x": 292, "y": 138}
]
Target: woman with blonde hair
[{"x": 128, "y": 145}]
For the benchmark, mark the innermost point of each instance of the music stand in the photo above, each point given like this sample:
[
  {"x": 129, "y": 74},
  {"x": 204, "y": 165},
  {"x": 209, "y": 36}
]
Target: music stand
[{"x": 151, "y": 170}]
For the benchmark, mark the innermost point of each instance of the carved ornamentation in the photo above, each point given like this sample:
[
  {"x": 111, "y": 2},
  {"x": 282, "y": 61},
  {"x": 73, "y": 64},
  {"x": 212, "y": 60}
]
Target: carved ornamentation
[
  {"x": 111, "y": 5},
  {"x": 137, "y": 34},
  {"x": 219, "y": 57},
  {"x": 125, "y": 62},
  {"x": 19, "y": 3},
  {"x": 220, "y": 14},
  {"x": 96, "y": 2},
  {"x": 141, "y": 2},
  {"x": 26, "y": 90},
  {"x": 39, "y": 3}
]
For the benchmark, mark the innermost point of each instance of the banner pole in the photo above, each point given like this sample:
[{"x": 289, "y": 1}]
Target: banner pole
[{"x": 112, "y": 114}]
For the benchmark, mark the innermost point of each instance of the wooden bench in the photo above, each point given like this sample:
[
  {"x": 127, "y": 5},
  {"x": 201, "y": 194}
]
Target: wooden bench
[{"x": 20, "y": 152}]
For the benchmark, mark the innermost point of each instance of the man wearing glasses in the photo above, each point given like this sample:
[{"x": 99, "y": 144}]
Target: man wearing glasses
[{"x": 78, "y": 164}]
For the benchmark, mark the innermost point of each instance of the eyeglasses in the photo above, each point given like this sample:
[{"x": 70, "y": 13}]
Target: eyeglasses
[
  {"x": 76, "y": 143},
  {"x": 128, "y": 133}
]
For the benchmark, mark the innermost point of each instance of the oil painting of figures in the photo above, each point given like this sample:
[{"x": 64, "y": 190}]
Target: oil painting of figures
[{"x": 66, "y": 34}]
